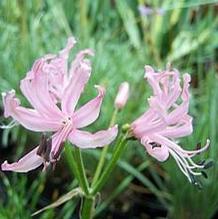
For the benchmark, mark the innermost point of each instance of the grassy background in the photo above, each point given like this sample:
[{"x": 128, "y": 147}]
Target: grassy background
[{"x": 186, "y": 34}]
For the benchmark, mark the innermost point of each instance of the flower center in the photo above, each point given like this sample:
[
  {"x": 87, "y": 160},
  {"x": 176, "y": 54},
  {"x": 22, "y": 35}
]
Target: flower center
[{"x": 67, "y": 121}]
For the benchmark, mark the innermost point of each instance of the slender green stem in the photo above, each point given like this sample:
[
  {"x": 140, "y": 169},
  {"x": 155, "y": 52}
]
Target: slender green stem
[
  {"x": 88, "y": 208},
  {"x": 104, "y": 152},
  {"x": 75, "y": 162},
  {"x": 115, "y": 156},
  {"x": 81, "y": 170},
  {"x": 71, "y": 162}
]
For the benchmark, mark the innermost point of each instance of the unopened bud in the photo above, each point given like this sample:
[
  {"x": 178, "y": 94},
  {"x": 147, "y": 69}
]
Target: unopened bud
[{"x": 122, "y": 96}]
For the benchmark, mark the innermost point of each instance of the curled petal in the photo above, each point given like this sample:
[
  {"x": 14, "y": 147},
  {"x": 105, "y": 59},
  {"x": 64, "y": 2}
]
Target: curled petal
[
  {"x": 145, "y": 117},
  {"x": 29, "y": 162},
  {"x": 179, "y": 131},
  {"x": 182, "y": 109},
  {"x": 77, "y": 61},
  {"x": 29, "y": 118},
  {"x": 35, "y": 88},
  {"x": 185, "y": 92},
  {"x": 70, "y": 44},
  {"x": 148, "y": 128},
  {"x": 170, "y": 87},
  {"x": 85, "y": 139},
  {"x": 74, "y": 88},
  {"x": 150, "y": 76},
  {"x": 159, "y": 152},
  {"x": 88, "y": 113}
]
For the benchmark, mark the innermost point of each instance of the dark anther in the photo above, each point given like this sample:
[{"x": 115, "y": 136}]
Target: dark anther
[
  {"x": 48, "y": 150},
  {"x": 209, "y": 164},
  {"x": 44, "y": 148},
  {"x": 42, "y": 145},
  {"x": 193, "y": 178},
  {"x": 202, "y": 162},
  {"x": 198, "y": 146},
  {"x": 57, "y": 154},
  {"x": 204, "y": 174},
  {"x": 195, "y": 181},
  {"x": 199, "y": 185},
  {"x": 154, "y": 145}
]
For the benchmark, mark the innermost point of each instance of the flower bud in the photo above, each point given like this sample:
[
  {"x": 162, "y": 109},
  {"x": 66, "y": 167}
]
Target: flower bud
[{"x": 122, "y": 95}]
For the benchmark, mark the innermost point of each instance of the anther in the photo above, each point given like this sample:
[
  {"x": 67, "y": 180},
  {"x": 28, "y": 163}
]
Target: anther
[
  {"x": 154, "y": 145},
  {"x": 57, "y": 154},
  {"x": 209, "y": 164},
  {"x": 42, "y": 145}
]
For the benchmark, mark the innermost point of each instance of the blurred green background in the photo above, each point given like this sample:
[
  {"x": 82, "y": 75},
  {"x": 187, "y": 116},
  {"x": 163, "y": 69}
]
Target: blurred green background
[{"x": 125, "y": 35}]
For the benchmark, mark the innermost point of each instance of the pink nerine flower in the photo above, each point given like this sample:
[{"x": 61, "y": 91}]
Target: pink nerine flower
[
  {"x": 167, "y": 119},
  {"x": 54, "y": 90},
  {"x": 122, "y": 95}
]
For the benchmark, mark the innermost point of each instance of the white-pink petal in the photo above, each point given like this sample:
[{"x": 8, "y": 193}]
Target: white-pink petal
[
  {"x": 74, "y": 88},
  {"x": 84, "y": 139},
  {"x": 29, "y": 162},
  {"x": 88, "y": 113},
  {"x": 28, "y": 118},
  {"x": 159, "y": 152},
  {"x": 35, "y": 88},
  {"x": 77, "y": 61}
]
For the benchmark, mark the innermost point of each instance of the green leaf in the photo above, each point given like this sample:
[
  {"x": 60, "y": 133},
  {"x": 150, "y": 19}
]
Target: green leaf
[
  {"x": 129, "y": 21},
  {"x": 61, "y": 200}
]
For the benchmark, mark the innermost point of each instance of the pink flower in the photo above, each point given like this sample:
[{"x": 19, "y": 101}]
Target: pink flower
[
  {"x": 54, "y": 90},
  {"x": 167, "y": 119},
  {"x": 122, "y": 95}
]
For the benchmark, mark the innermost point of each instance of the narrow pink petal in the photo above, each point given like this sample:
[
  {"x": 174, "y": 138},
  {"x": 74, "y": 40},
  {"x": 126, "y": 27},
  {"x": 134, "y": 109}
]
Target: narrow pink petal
[
  {"x": 29, "y": 162},
  {"x": 161, "y": 152},
  {"x": 186, "y": 83},
  {"x": 150, "y": 77},
  {"x": 29, "y": 118},
  {"x": 146, "y": 129},
  {"x": 158, "y": 107},
  {"x": 178, "y": 113},
  {"x": 88, "y": 113},
  {"x": 178, "y": 131},
  {"x": 145, "y": 117},
  {"x": 174, "y": 91},
  {"x": 85, "y": 139},
  {"x": 64, "y": 54},
  {"x": 57, "y": 69},
  {"x": 35, "y": 87},
  {"x": 77, "y": 61},
  {"x": 58, "y": 138},
  {"x": 182, "y": 109},
  {"x": 75, "y": 87}
]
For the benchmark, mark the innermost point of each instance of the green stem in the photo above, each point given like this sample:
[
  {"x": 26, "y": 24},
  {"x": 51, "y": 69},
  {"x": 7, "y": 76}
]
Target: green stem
[
  {"x": 75, "y": 162},
  {"x": 88, "y": 208},
  {"x": 81, "y": 170},
  {"x": 71, "y": 161},
  {"x": 115, "y": 157},
  {"x": 104, "y": 152}
]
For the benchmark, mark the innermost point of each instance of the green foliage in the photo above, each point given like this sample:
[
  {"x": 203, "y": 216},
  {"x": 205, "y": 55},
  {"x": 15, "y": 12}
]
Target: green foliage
[{"x": 124, "y": 41}]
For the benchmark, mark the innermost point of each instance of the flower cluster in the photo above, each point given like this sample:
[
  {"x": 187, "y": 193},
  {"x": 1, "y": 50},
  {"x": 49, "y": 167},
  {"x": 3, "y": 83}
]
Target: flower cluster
[
  {"x": 167, "y": 119},
  {"x": 53, "y": 90}
]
